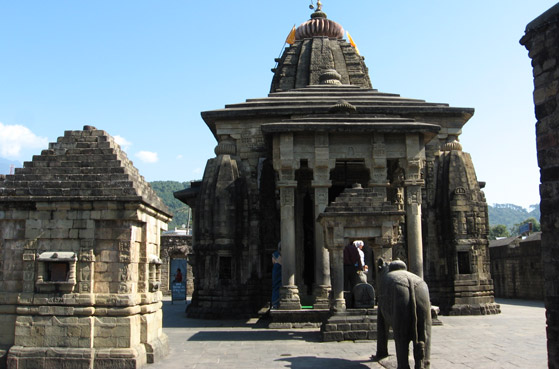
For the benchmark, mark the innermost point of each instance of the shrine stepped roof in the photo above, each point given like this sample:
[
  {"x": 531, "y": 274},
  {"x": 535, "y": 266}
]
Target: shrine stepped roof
[{"x": 85, "y": 165}]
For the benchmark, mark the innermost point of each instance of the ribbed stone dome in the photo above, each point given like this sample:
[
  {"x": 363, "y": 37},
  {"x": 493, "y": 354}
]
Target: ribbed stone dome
[
  {"x": 226, "y": 147},
  {"x": 319, "y": 56},
  {"x": 319, "y": 26},
  {"x": 452, "y": 146}
]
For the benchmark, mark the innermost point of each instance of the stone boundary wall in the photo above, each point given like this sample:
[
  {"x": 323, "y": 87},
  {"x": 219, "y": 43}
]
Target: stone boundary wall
[
  {"x": 542, "y": 41},
  {"x": 517, "y": 271}
]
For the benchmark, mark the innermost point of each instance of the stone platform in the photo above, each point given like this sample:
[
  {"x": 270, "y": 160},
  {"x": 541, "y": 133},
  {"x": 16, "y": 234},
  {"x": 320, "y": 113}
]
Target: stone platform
[
  {"x": 353, "y": 324},
  {"x": 305, "y": 318}
]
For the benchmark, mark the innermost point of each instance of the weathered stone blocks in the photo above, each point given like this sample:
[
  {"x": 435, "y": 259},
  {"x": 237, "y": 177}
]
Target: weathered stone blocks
[
  {"x": 542, "y": 41},
  {"x": 75, "y": 292}
]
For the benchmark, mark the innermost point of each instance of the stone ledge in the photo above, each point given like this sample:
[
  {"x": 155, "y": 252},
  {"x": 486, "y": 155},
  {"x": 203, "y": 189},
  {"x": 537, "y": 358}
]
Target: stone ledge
[{"x": 476, "y": 309}]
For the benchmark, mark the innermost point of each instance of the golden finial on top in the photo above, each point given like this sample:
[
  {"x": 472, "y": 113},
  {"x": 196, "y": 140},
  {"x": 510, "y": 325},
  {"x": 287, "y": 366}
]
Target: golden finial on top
[
  {"x": 318, "y": 6},
  {"x": 318, "y": 13}
]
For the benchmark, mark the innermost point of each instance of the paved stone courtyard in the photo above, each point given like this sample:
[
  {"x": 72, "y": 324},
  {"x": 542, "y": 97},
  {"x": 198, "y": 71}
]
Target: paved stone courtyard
[{"x": 513, "y": 339}]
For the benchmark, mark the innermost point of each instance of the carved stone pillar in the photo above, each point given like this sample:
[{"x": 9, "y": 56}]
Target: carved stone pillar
[
  {"x": 379, "y": 181},
  {"x": 289, "y": 292},
  {"x": 415, "y": 152},
  {"x": 337, "y": 262},
  {"x": 322, "y": 262},
  {"x": 413, "y": 222},
  {"x": 321, "y": 183}
]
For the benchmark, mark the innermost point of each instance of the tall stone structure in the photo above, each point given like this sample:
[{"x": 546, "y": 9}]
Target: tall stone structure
[
  {"x": 79, "y": 259},
  {"x": 458, "y": 224},
  {"x": 282, "y": 160},
  {"x": 542, "y": 41}
]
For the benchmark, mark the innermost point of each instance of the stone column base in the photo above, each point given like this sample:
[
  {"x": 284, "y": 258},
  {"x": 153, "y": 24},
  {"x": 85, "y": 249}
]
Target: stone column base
[
  {"x": 157, "y": 349},
  {"x": 54, "y": 357},
  {"x": 4, "y": 356},
  {"x": 339, "y": 306},
  {"x": 85, "y": 358},
  {"x": 475, "y": 309},
  {"x": 322, "y": 297},
  {"x": 289, "y": 298}
]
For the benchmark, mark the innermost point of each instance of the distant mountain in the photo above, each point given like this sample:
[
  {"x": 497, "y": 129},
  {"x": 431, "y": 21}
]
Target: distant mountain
[
  {"x": 510, "y": 214},
  {"x": 181, "y": 212},
  {"x": 6, "y": 164}
]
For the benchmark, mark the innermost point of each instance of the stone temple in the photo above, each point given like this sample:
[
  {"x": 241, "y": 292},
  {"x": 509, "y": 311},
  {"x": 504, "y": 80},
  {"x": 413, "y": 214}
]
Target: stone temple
[
  {"x": 79, "y": 259},
  {"x": 326, "y": 159}
]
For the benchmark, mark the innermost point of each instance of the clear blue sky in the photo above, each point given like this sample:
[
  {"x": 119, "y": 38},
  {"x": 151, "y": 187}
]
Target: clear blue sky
[{"x": 144, "y": 70}]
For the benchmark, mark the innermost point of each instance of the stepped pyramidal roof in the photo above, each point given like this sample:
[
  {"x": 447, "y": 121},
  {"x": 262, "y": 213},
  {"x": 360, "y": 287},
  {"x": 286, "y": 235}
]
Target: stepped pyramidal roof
[{"x": 86, "y": 165}]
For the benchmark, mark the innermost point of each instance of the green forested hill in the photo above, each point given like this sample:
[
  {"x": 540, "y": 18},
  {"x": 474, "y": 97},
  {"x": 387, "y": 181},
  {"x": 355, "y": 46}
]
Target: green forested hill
[
  {"x": 165, "y": 189},
  {"x": 509, "y": 214}
]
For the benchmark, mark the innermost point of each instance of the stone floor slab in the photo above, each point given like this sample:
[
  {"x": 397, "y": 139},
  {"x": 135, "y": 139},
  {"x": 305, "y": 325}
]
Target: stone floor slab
[{"x": 514, "y": 339}]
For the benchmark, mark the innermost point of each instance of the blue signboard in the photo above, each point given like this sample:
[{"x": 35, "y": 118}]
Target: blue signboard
[
  {"x": 525, "y": 228},
  {"x": 177, "y": 275}
]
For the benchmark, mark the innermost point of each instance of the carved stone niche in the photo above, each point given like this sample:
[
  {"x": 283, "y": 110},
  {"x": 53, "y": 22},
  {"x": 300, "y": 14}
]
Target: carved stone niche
[
  {"x": 56, "y": 271},
  {"x": 154, "y": 273}
]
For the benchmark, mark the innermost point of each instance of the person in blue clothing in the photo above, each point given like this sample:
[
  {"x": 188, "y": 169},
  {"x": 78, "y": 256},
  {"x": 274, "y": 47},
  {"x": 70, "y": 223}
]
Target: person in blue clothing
[{"x": 276, "y": 279}]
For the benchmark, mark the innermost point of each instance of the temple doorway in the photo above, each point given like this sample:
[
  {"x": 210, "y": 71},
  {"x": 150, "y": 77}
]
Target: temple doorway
[
  {"x": 305, "y": 230},
  {"x": 346, "y": 173}
]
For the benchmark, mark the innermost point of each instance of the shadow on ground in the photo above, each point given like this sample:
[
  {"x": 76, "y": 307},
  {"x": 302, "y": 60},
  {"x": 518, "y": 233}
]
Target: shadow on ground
[
  {"x": 263, "y": 335},
  {"x": 517, "y": 302},
  {"x": 308, "y": 362},
  {"x": 174, "y": 316}
]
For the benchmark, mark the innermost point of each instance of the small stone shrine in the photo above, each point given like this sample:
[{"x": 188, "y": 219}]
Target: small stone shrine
[
  {"x": 175, "y": 245},
  {"x": 79, "y": 259},
  {"x": 282, "y": 160}
]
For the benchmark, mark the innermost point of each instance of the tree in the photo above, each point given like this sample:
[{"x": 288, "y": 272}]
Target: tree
[
  {"x": 500, "y": 230},
  {"x": 181, "y": 212},
  {"x": 536, "y": 227}
]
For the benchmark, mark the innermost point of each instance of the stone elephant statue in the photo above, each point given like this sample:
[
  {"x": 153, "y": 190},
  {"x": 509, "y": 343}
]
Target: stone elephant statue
[{"x": 403, "y": 304}]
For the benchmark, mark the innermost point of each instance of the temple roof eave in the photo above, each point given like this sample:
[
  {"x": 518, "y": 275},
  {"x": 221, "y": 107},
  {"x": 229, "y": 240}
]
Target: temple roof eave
[
  {"x": 350, "y": 127},
  {"x": 187, "y": 196},
  {"x": 461, "y": 115}
]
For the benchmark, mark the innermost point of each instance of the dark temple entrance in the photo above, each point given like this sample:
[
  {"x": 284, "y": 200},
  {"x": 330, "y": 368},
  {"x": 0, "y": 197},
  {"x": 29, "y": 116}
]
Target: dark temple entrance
[
  {"x": 305, "y": 228},
  {"x": 345, "y": 174}
]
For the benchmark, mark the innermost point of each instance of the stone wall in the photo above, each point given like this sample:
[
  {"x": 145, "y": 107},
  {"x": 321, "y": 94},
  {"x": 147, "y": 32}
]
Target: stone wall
[
  {"x": 542, "y": 41},
  {"x": 516, "y": 268}
]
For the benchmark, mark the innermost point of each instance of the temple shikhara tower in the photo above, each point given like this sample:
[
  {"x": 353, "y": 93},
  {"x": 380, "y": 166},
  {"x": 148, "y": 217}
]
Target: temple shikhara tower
[{"x": 326, "y": 159}]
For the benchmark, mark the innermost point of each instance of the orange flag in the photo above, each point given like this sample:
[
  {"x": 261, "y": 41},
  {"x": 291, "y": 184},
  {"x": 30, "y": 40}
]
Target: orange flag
[
  {"x": 291, "y": 37},
  {"x": 352, "y": 43}
]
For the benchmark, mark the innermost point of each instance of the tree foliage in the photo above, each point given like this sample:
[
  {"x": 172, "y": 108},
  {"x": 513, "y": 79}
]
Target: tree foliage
[
  {"x": 500, "y": 230},
  {"x": 181, "y": 212},
  {"x": 536, "y": 227},
  {"x": 510, "y": 214}
]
